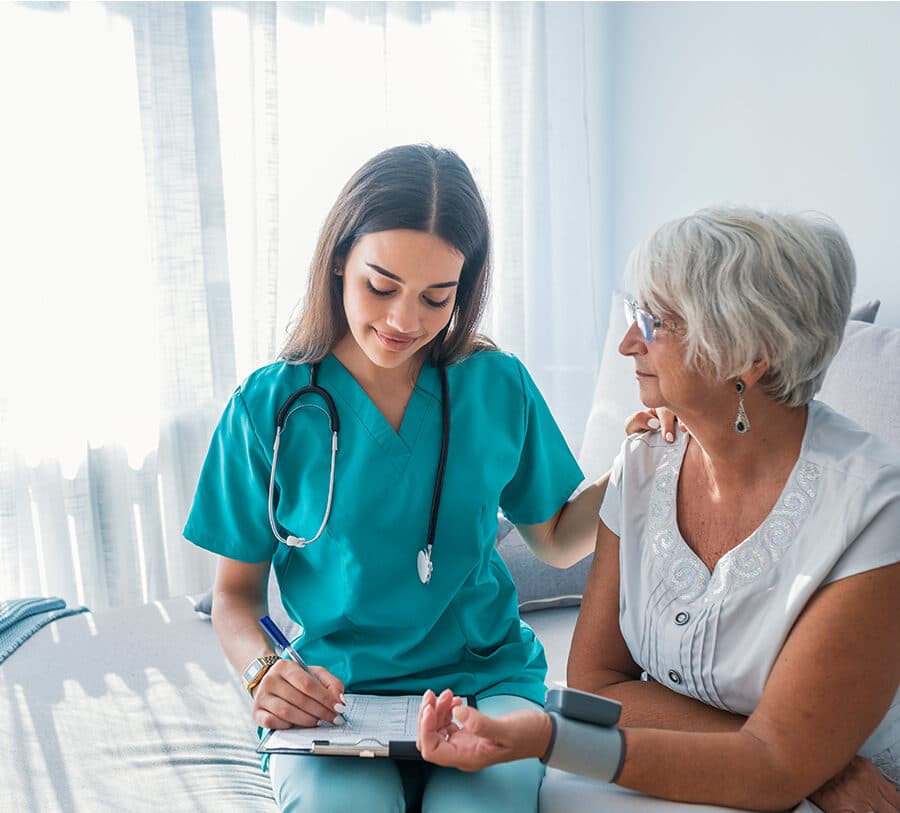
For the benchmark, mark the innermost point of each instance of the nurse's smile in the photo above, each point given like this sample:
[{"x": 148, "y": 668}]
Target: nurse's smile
[{"x": 395, "y": 343}]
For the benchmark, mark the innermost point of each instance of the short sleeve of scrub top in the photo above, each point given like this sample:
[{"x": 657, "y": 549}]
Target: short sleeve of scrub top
[
  {"x": 547, "y": 472},
  {"x": 230, "y": 512}
]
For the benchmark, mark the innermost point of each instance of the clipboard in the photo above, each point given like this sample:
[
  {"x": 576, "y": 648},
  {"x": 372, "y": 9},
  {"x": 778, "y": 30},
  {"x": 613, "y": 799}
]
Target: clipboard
[{"x": 378, "y": 725}]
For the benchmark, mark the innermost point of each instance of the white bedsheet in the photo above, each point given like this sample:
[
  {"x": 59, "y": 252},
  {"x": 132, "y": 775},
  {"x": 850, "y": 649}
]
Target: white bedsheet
[{"x": 129, "y": 710}]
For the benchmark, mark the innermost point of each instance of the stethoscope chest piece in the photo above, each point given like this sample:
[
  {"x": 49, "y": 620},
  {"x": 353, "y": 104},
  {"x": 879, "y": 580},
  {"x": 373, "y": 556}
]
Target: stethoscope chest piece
[{"x": 424, "y": 565}]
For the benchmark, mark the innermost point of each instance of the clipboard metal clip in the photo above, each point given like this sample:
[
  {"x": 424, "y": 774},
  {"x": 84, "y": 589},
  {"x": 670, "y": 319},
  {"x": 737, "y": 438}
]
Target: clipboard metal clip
[{"x": 357, "y": 748}]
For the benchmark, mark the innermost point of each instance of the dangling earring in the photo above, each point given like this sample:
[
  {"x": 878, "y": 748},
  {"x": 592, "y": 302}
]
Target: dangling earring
[{"x": 741, "y": 422}]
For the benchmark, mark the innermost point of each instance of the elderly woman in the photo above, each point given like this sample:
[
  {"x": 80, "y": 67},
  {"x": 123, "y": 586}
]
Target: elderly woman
[{"x": 744, "y": 600}]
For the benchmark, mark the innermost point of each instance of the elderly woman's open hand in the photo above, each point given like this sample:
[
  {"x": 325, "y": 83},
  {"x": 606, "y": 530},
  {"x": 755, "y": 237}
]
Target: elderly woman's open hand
[{"x": 457, "y": 736}]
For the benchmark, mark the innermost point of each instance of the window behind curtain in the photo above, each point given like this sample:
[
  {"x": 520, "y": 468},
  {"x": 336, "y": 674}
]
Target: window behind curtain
[{"x": 165, "y": 169}]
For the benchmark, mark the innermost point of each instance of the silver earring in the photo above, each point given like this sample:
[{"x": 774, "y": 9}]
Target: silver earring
[{"x": 741, "y": 422}]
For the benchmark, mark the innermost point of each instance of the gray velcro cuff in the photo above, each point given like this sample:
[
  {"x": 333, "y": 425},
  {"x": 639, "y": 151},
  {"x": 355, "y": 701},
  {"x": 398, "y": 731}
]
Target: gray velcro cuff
[{"x": 590, "y": 750}]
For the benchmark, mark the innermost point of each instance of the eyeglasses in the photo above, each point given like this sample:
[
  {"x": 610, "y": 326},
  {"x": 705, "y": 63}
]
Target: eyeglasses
[{"x": 647, "y": 323}]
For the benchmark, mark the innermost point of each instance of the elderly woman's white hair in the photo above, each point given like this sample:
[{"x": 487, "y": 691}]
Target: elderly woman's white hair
[{"x": 751, "y": 285}]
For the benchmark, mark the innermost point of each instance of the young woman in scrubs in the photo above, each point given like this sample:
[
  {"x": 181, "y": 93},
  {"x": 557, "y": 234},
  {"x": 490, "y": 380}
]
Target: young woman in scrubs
[{"x": 397, "y": 287}]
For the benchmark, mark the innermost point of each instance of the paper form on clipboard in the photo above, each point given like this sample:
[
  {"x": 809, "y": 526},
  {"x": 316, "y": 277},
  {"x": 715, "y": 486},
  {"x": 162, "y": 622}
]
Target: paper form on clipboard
[{"x": 376, "y": 726}]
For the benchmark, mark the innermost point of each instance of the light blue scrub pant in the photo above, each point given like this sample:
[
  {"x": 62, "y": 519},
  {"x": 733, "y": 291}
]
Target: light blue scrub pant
[{"x": 341, "y": 784}]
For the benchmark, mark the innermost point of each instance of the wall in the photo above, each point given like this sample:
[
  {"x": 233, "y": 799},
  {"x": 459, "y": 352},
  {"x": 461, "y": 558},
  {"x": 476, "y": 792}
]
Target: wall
[{"x": 772, "y": 104}]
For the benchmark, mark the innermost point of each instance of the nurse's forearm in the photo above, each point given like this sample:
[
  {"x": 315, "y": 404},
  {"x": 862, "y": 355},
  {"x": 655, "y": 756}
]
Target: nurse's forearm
[
  {"x": 235, "y": 619},
  {"x": 571, "y": 534}
]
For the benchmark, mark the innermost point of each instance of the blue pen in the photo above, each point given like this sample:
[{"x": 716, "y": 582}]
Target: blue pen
[{"x": 285, "y": 645}]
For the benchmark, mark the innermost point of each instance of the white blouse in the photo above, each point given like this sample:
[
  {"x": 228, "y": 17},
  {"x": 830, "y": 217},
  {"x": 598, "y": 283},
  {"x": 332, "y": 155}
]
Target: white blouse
[{"x": 715, "y": 636}]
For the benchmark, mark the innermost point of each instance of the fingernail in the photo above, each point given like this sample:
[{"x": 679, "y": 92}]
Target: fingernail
[
  {"x": 653, "y": 423},
  {"x": 343, "y": 699},
  {"x": 670, "y": 437},
  {"x": 339, "y": 720},
  {"x": 340, "y": 708}
]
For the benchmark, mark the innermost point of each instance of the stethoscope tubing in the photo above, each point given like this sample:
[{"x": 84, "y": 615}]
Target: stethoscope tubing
[
  {"x": 294, "y": 541},
  {"x": 312, "y": 389},
  {"x": 442, "y": 464},
  {"x": 288, "y": 409}
]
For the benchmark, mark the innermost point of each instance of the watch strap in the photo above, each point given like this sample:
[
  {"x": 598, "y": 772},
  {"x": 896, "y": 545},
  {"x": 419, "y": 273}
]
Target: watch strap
[{"x": 266, "y": 662}]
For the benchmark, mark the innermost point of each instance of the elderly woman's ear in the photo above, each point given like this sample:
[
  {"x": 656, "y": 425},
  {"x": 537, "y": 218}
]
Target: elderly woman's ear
[{"x": 754, "y": 373}]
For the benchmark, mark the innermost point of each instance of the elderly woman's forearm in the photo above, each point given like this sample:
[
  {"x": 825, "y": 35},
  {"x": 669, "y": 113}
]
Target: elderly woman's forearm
[
  {"x": 651, "y": 705},
  {"x": 690, "y": 767}
]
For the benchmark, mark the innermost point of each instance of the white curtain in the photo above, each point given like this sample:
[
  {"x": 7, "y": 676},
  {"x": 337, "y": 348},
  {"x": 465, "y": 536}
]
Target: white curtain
[{"x": 165, "y": 168}]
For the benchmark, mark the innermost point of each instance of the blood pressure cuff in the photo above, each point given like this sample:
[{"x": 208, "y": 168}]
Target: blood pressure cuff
[{"x": 596, "y": 751}]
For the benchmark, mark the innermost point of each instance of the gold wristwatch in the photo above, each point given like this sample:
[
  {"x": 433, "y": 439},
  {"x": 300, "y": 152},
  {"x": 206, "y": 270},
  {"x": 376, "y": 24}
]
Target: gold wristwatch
[{"x": 256, "y": 671}]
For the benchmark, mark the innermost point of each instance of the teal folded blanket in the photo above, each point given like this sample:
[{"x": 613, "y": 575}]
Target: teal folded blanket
[{"x": 21, "y": 618}]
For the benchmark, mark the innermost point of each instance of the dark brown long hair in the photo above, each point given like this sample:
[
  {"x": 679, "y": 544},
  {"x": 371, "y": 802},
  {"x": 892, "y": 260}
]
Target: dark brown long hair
[{"x": 415, "y": 186}]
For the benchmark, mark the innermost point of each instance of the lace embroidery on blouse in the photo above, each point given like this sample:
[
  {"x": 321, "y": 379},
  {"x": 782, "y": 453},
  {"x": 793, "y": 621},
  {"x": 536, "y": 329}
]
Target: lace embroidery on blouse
[{"x": 685, "y": 575}]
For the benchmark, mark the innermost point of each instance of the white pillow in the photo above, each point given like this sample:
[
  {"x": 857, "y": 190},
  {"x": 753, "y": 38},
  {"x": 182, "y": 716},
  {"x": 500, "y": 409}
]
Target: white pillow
[
  {"x": 865, "y": 311},
  {"x": 863, "y": 381},
  {"x": 615, "y": 398}
]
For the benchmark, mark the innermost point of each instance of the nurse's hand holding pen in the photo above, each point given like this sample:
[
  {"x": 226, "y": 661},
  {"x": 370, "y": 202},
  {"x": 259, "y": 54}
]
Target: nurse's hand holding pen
[
  {"x": 288, "y": 696},
  {"x": 294, "y": 694}
]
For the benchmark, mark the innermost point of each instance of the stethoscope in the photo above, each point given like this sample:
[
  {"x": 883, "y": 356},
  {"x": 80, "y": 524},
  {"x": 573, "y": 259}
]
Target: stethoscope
[{"x": 424, "y": 565}]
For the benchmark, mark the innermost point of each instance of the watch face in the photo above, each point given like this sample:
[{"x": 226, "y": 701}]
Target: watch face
[{"x": 252, "y": 671}]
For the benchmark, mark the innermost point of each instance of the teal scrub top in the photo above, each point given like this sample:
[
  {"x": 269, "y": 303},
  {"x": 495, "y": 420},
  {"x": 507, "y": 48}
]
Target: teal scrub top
[{"x": 355, "y": 591}]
